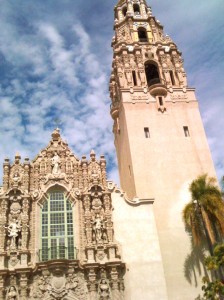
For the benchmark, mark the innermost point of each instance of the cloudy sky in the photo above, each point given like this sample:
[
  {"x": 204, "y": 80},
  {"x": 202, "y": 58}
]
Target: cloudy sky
[{"x": 55, "y": 62}]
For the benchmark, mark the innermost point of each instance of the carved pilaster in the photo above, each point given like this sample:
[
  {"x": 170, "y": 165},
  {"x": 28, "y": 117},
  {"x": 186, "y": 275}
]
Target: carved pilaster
[
  {"x": 103, "y": 170},
  {"x": 88, "y": 219},
  {"x": 130, "y": 7},
  {"x": 48, "y": 162},
  {"x": 2, "y": 289},
  {"x": 76, "y": 176},
  {"x": 25, "y": 223},
  {"x": 26, "y": 174},
  {"x": 3, "y": 221},
  {"x": 6, "y": 168},
  {"x": 143, "y": 8},
  {"x": 92, "y": 284},
  {"x": 84, "y": 172},
  {"x": 115, "y": 284},
  {"x": 23, "y": 287}
]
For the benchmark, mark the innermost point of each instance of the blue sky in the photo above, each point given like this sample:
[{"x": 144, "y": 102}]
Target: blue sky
[{"x": 55, "y": 62}]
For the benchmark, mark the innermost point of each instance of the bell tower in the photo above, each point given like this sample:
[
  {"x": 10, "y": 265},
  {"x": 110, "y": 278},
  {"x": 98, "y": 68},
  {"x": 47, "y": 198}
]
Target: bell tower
[{"x": 159, "y": 136}]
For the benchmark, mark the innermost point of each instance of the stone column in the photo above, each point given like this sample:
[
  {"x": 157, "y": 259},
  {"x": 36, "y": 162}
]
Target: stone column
[
  {"x": 142, "y": 8},
  {"x": 103, "y": 170},
  {"x": 6, "y": 167},
  {"x": 130, "y": 8},
  {"x": 119, "y": 14},
  {"x": 115, "y": 291},
  {"x": 92, "y": 284},
  {"x": 23, "y": 287},
  {"x": 92, "y": 291}
]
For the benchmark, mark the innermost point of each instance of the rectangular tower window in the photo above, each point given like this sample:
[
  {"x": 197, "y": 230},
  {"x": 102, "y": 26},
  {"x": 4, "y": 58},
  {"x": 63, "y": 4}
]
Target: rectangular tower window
[
  {"x": 134, "y": 78},
  {"x": 161, "y": 101},
  {"x": 147, "y": 134},
  {"x": 129, "y": 168},
  {"x": 172, "y": 78},
  {"x": 186, "y": 131}
]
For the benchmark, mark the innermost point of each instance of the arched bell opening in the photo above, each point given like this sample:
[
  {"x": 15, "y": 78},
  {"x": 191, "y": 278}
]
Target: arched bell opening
[
  {"x": 124, "y": 11},
  {"x": 152, "y": 74},
  {"x": 136, "y": 9},
  {"x": 142, "y": 35}
]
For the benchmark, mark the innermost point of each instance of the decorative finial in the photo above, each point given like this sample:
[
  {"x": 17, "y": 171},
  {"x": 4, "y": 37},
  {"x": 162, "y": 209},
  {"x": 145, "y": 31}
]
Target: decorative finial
[
  {"x": 56, "y": 134},
  {"x": 17, "y": 158},
  {"x": 92, "y": 155}
]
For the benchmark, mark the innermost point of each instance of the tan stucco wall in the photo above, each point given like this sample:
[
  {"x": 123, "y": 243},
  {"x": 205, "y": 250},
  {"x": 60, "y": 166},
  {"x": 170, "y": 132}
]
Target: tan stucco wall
[{"x": 162, "y": 168}]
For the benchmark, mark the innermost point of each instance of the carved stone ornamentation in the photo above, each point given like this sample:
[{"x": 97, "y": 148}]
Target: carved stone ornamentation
[
  {"x": 12, "y": 293},
  {"x": 26, "y": 189},
  {"x": 55, "y": 161},
  {"x": 59, "y": 286},
  {"x": 104, "y": 290},
  {"x": 13, "y": 229}
]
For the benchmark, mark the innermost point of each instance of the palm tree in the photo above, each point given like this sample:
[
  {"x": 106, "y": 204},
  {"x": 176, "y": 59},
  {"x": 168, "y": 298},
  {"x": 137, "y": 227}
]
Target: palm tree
[{"x": 204, "y": 214}]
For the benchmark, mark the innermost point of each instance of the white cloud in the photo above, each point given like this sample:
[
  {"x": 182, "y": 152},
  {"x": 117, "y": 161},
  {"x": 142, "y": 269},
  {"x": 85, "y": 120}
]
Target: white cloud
[{"x": 68, "y": 84}]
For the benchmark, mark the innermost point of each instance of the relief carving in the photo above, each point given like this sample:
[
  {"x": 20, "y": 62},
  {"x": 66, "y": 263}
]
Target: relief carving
[
  {"x": 12, "y": 293},
  {"x": 104, "y": 290},
  {"x": 59, "y": 286}
]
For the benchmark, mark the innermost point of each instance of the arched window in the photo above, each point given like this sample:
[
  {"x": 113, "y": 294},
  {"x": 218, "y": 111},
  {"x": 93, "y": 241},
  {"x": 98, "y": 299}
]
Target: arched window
[
  {"x": 57, "y": 240},
  {"x": 136, "y": 9},
  {"x": 142, "y": 35},
  {"x": 124, "y": 11},
  {"x": 152, "y": 74}
]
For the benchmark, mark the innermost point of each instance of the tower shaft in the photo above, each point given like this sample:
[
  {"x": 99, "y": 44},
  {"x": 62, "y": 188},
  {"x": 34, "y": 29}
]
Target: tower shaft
[{"x": 159, "y": 136}]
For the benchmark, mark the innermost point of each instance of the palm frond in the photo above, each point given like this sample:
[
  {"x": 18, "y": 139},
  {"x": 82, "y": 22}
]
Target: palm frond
[{"x": 208, "y": 211}]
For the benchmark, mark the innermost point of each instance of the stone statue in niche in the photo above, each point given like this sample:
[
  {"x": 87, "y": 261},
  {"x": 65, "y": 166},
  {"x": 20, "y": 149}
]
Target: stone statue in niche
[
  {"x": 55, "y": 161},
  {"x": 12, "y": 293},
  {"x": 104, "y": 290},
  {"x": 99, "y": 234},
  {"x": 13, "y": 228},
  {"x": 98, "y": 228},
  {"x": 16, "y": 179}
]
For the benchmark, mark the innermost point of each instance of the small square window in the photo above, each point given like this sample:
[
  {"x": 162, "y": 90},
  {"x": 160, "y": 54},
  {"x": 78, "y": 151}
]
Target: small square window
[
  {"x": 186, "y": 131},
  {"x": 147, "y": 133}
]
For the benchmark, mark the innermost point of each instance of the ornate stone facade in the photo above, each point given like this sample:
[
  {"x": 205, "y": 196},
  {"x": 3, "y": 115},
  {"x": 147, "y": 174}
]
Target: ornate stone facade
[
  {"x": 140, "y": 41},
  {"x": 96, "y": 270}
]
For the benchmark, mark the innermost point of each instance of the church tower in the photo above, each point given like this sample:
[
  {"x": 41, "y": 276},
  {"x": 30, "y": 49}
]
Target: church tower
[{"x": 159, "y": 136}]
